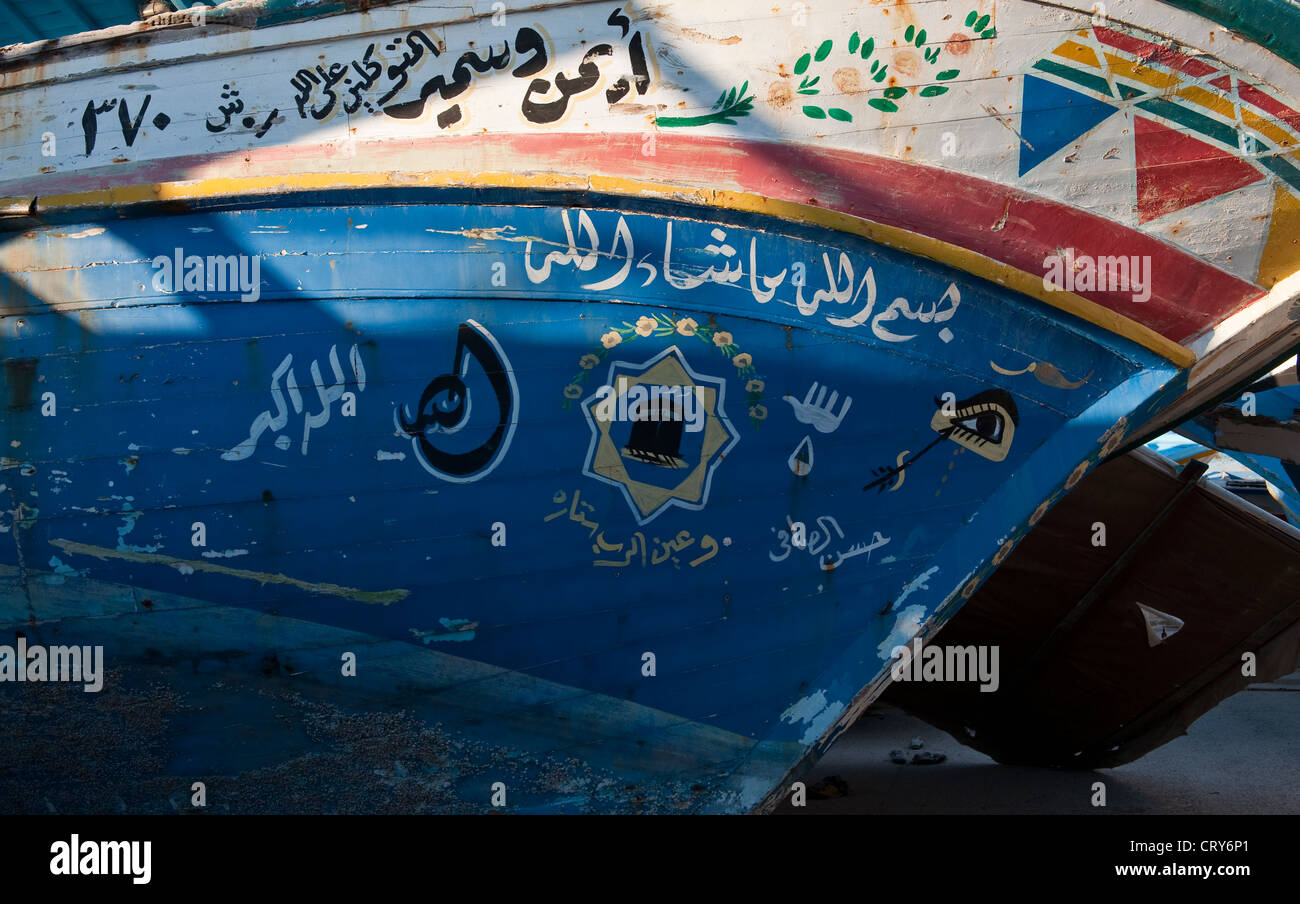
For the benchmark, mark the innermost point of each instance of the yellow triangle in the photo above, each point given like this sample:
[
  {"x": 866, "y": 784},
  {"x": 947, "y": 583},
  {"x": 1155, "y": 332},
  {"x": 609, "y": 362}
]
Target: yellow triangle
[
  {"x": 1281, "y": 255},
  {"x": 1079, "y": 53}
]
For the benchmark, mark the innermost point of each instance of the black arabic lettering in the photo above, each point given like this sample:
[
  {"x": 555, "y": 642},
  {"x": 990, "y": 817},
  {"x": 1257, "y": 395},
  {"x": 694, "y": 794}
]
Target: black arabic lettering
[
  {"x": 551, "y": 111},
  {"x": 445, "y": 405},
  {"x": 461, "y": 77},
  {"x": 305, "y": 81},
  {"x": 266, "y": 125},
  {"x": 332, "y": 77},
  {"x": 417, "y": 42},
  {"x": 130, "y": 127},
  {"x": 235, "y": 105},
  {"x": 369, "y": 71},
  {"x": 529, "y": 40},
  {"x": 90, "y": 121}
]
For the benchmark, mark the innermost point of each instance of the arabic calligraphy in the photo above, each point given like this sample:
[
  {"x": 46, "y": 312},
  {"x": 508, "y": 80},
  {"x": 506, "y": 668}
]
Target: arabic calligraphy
[
  {"x": 233, "y": 106},
  {"x": 635, "y": 550},
  {"x": 380, "y": 79},
  {"x": 445, "y": 407},
  {"x": 130, "y": 126},
  {"x": 323, "y": 90},
  {"x": 581, "y": 250},
  {"x": 816, "y": 541},
  {"x": 327, "y": 395}
]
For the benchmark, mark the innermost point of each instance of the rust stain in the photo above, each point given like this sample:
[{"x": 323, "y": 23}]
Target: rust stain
[
  {"x": 701, "y": 36},
  {"x": 847, "y": 80},
  {"x": 958, "y": 45},
  {"x": 908, "y": 62},
  {"x": 779, "y": 95}
]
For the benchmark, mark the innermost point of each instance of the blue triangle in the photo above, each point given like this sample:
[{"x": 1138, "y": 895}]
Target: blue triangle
[{"x": 1053, "y": 116}]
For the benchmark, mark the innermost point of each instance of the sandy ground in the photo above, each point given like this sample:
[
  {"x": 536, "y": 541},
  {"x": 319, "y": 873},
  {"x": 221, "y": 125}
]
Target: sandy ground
[
  {"x": 1242, "y": 757},
  {"x": 266, "y": 743}
]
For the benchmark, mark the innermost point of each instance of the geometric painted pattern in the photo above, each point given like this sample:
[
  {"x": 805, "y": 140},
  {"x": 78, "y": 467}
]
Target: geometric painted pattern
[
  {"x": 1176, "y": 170},
  {"x": 1201, "y": 130}
]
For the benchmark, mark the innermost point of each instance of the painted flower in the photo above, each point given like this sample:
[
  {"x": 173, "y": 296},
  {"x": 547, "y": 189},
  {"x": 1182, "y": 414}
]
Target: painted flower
[
  {"x": 611, "y": 339},
  {"x": 587, "y": 362},
  {"x": 758, "y": 413},
  {"x": 743, "y": 360},
  {"x": 755, "y": 386},
  {"x": 721, "y": 339},
  {"x": 1113, "y": 438},
  {"x": 1077, "y": 474},
  {"x": 573, "y": 391},
  {"x": 1040, "y": 512},
  {"x": 645, "y": 326},
  {"x": 687, "y": 326},
  {"x": 1005, "y": 550}
]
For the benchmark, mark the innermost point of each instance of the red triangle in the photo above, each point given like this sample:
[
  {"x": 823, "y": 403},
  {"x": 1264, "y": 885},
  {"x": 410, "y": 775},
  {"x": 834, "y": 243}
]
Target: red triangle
[{"x": 1175, "y": 170}]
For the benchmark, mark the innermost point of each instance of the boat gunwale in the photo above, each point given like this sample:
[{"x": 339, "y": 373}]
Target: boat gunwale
[{"x": 241, "y": 192}]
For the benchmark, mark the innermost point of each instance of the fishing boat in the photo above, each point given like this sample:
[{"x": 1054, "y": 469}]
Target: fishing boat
[
  {"x": 1109, "y": 644},
  {"x": 1228, "y": 473},
  {"x": 1260, "y": 431},
  {"x": 622, "y": 381}
]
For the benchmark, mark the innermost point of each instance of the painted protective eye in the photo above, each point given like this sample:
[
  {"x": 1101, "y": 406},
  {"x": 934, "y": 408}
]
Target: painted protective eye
[{"x": 985, "y": 423}]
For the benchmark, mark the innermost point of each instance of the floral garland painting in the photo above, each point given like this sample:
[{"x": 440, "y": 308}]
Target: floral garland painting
[{"x": 661, "y": 326}]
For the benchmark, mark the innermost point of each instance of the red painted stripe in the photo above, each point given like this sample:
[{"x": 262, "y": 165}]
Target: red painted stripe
[
  {"x": 1253, "y": 95},
  {"x": 1154, "y": 53},
  {"x": 1000, "y": 222}
]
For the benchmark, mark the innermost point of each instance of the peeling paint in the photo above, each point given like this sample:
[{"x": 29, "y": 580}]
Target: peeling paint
[
  {"x": 381, "y": 597},
  {"x": 906, "y": 626},
  {"x": 453, "y": 629}
]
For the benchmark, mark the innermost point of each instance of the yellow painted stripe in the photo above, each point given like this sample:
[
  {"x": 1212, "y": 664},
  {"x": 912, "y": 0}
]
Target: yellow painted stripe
[
  {"x": 1139, "y": 73},
  {"x": 1210, "y": 101},
  {"x": 1078, "y": 53},
  {"x": 1280, "y": 137},
  {"x": 1013, "y": 278}
]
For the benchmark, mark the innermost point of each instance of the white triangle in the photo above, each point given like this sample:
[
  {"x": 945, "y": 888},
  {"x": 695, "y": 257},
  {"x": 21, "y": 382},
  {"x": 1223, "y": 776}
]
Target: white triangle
[
  {"x": 1228, "y": 231},
  {"x": 1160, "y": 625},
  {"x": 1096, "y": 172}
]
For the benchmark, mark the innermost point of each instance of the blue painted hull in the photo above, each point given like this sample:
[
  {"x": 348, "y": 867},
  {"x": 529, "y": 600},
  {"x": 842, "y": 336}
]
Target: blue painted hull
[{"x": 401, "y": 449}]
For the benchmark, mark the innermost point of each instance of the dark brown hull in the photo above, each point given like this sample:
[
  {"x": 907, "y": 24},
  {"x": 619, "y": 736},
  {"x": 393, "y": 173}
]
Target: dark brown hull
[{"x": 1080, "y": 683}]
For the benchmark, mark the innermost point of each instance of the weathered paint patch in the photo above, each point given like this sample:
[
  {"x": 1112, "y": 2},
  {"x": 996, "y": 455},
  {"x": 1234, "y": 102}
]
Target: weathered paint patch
[
  {"x": 382, "y": 597},
  {"x": 906, "y": 626}
]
